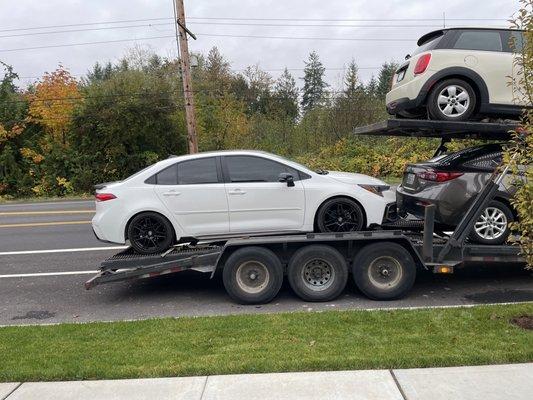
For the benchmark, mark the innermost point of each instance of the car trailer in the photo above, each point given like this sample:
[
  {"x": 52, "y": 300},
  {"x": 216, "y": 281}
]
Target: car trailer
[{"x": 383, "y": 262}]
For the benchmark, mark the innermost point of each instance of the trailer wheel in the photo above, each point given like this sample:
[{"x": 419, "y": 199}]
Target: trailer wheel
[
  {"x": 252, "y": 275},
  {"x": 317, "y": 273},
  {"x": 384, "y": 271}
]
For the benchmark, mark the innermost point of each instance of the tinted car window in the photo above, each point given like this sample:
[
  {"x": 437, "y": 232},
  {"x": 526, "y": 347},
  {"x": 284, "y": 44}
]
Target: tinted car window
[
  {"x": 203, "y": 170},
  {"x": 168, "y": 176},
  {"x": 486, "y": 162},
  {"x": 430, "y": 45},
  {"x": 256, "y": 169},
  {"x": 479, "y": 40},
  {"x": 516, "y": 42}
]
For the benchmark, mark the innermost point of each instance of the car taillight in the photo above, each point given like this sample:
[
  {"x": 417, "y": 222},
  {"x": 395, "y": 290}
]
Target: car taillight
[
  {"x": 104, "y": 196},
  {"x": 438, "y": 176},
  {"x": 422, "y": 64}
]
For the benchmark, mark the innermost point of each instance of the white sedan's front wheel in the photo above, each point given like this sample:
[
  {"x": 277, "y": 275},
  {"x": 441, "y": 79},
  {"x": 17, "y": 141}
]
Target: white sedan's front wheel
[{"x": 340, "y": 215}]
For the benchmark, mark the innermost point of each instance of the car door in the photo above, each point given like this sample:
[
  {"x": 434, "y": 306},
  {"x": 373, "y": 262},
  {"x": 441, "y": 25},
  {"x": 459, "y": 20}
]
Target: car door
[
  {"x": 257, "y": 201},
  {"x": 193, "y": 191}
]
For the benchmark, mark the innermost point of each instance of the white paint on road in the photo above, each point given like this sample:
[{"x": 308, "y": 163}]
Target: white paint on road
[
  {"x": 48, "y": 212},
  {"x": 37, "y": 274},
  {"x": 77, "y": 250},
  {"x": 51, "y": 203}
]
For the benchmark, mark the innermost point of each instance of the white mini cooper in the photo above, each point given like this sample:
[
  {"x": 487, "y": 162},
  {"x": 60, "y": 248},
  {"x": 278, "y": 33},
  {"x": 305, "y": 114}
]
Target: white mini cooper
[{"x": 458, "y": 73}]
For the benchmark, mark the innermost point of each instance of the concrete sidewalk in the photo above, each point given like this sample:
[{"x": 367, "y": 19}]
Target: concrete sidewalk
[{"x": 496, "y": 382}]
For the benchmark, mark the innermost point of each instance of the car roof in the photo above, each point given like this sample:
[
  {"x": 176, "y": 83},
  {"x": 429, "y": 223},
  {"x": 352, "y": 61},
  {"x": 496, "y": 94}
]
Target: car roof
[{"x": 439, "y": 32}]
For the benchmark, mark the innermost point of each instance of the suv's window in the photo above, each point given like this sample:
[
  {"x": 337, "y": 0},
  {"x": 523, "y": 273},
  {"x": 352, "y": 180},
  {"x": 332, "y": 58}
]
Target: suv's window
[
  {"x": 202, "y": 170},
  {"x": 479, "y": 40},
  {"x": 256, "y": 169}
]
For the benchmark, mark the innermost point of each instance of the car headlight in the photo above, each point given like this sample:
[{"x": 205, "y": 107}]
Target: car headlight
[{"x": 376, "y": 189}]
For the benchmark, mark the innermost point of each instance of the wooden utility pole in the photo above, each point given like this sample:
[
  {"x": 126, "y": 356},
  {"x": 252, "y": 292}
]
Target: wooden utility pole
[{"x": 185, "y": 63}]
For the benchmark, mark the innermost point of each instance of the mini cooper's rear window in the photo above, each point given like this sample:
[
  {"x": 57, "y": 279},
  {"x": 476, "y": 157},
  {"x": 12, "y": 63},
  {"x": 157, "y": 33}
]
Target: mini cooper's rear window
[{"x": 479, "y": 40}]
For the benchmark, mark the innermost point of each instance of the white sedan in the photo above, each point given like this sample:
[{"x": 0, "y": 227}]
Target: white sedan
[{"x": 231, "y": 193}]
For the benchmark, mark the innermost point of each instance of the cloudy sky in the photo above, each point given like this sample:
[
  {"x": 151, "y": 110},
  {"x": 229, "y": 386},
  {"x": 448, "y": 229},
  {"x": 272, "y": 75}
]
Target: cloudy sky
[{"x": 374, "y": 31}]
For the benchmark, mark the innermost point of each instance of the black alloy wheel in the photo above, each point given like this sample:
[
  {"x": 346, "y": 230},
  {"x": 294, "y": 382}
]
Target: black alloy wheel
[
  {"x": 150, "y": 233},
  {"x": 340, "y": 215}
]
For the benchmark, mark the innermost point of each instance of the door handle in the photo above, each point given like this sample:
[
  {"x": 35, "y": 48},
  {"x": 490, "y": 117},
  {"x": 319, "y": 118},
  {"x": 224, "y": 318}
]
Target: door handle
[
  {"x": 236, "y": 191},
  {"x": 171, "y": 193}
]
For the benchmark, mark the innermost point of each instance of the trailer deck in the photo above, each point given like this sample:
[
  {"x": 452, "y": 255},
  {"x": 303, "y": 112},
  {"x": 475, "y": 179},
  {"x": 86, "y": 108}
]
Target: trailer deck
[{"x": 383, "y": 261}]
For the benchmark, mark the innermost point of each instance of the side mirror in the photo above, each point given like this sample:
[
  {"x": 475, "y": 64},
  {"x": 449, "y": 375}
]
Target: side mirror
[{"x": 286, "y": 177}]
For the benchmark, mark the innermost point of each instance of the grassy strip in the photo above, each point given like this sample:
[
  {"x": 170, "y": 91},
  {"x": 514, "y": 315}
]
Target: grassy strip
[{"x": 266, "y": 343}]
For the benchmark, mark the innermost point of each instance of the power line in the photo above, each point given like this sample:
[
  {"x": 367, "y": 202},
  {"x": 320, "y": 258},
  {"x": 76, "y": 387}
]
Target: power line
[
  {"x": 250, "y": 19},
  {"x": 223, "y": 24},
  {"x": 211, "y": 35}
]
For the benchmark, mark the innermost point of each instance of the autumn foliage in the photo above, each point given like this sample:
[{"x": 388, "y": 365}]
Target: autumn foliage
[{"x": 53, "y": 103}]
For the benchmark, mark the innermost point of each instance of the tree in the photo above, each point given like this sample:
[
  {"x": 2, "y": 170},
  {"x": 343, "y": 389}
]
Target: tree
[
  {"x": 520, "y": 153},
  {"x": 314, "y": 84},
  {"x": 53, "y": 103},
  {"x": 386, "y": 73},
  {"x": 286, "y": 94},
  {"x": 352, "y": 85}
]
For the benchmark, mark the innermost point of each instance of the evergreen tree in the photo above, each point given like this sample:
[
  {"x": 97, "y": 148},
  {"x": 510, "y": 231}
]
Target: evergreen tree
[
  {"x": 386, "y": 73},
  {"x": 314, "y": 84},
  {"x": 351, "y": 81},
  {"x": 286, "y": 94}
]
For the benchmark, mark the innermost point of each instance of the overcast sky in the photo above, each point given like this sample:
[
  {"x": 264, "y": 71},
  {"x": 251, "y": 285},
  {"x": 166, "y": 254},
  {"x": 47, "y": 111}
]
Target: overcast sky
[{"x": 271, "y": 54}]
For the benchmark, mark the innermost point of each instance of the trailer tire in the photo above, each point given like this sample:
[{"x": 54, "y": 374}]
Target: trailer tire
[
  {"x": 317, "y": 273},
  {"x": 384, "y": 271},
  {"x": 252, "y": 275}
]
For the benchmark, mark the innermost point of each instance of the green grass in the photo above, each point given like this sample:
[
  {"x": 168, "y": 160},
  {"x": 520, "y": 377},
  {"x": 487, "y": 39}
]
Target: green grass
[{"x": 333, "y": 340}]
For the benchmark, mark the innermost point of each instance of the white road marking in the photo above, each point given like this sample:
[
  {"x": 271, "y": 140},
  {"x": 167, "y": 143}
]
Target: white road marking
[
  {"x": 36, "y": 274},
  {"x": 48, "y": 212},
  {"x": 22, "y": 252},
  {"x": 51, "y": 203}
]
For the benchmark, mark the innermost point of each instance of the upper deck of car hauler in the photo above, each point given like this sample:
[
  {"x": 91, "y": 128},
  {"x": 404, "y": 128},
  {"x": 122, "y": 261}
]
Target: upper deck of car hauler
[{"x": 383, "y": 262}]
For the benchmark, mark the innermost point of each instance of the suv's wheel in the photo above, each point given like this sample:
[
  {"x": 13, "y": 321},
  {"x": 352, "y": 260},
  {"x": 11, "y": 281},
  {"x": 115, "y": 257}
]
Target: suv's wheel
[
  {"x": 340, "y": 215},
  {"x": 452, "y": 100},
  {"x": 492, "y": 227},
  {"x": 150, "y": 233}
]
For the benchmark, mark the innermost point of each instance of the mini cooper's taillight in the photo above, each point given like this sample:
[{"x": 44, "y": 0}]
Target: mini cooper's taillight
[
  {"x": 422, "y": 64},
  {"x": 104, "y": 196}
]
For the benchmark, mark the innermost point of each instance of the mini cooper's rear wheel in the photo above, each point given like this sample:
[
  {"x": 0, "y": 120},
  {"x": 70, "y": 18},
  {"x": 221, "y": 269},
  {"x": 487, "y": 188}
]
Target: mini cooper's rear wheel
[
  {"x": 340, "y": 215},
  {"x": 452, "y": 100},
  {"x": 492, "y": 227},
  {"x": 150, "y": 233}
]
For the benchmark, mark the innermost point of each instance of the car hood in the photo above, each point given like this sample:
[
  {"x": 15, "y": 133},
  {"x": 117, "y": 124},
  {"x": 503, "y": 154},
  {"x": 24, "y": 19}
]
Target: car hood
[{"x": 354, "y": 178}]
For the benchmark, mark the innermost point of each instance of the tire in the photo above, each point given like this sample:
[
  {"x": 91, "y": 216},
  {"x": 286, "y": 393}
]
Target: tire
[
  {"x": 252, "y": 275},
  {"x": 464, "y": 97},
  {"x": 370, "y": 265},
  {"x": 150, "y": 233},
  {"x": 351, "y": 214},
  {"x": 317, "y": 273},
  {"x": 492, "y": 227}
]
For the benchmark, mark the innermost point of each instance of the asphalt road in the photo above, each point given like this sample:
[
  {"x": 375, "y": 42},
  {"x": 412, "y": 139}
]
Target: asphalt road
[{"x": 47, "y": 287}]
